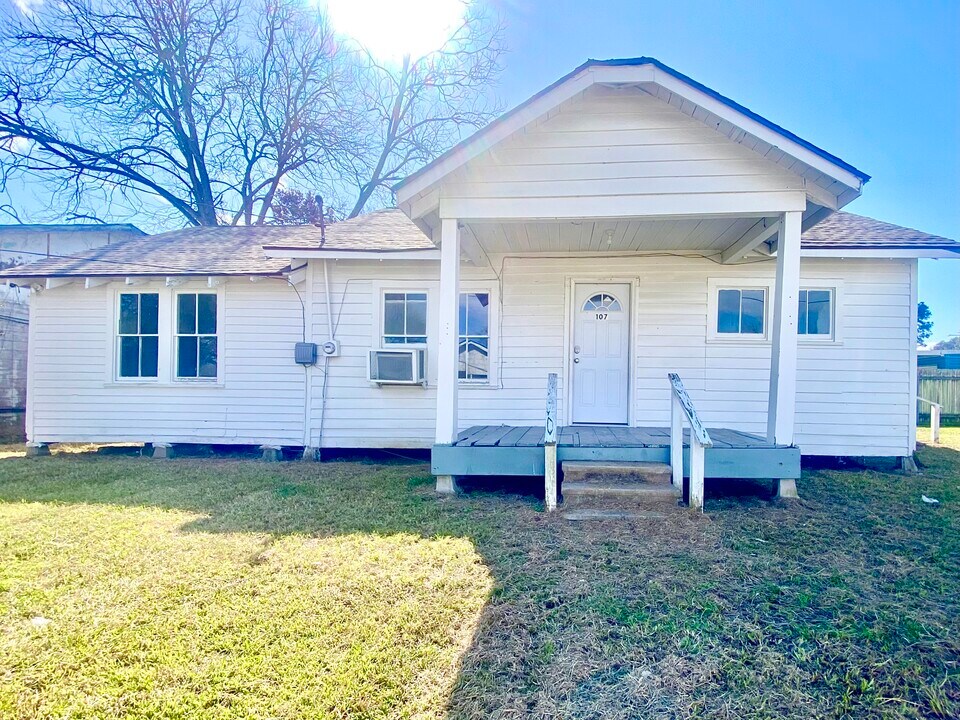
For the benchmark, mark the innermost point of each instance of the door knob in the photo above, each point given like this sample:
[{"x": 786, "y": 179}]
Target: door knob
[{"x": 576, "y": 360}]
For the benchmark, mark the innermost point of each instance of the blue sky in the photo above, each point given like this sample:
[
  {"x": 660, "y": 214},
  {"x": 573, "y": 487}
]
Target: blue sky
[{"x": 876, "y": 83}]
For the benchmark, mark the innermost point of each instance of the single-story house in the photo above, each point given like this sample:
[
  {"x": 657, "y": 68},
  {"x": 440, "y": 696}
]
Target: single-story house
[{"x": 624, "y": 224}]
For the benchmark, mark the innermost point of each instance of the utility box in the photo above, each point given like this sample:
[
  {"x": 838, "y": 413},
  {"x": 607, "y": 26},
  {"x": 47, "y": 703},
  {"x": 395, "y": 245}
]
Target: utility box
[{"x": 305, "y": 353}]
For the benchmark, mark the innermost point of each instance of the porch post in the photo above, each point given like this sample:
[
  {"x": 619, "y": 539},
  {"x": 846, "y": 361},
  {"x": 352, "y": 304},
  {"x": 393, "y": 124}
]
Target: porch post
[
  {"x": 448, "y": 341},
  {"x": 783, "y": 356}
]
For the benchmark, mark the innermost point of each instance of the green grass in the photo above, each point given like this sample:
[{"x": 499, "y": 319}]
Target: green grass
[{"x": 234, "y": 589}]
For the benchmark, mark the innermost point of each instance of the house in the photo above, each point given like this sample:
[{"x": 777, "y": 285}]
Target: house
[
  {"x": 21, "y": 244},
  {"x": 624, "y": 224},
  {"x": 933, "y": 360}
]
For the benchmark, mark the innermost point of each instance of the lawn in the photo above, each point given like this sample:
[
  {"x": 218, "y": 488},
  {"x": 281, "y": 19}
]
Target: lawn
[{"x": 215, "y": 588}]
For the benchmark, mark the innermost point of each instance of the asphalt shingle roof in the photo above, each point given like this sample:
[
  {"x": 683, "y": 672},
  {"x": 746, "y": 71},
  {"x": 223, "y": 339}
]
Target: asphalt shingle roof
[
  {"x": 240, "y": 250},
  {"x": 844, "y": 230}
]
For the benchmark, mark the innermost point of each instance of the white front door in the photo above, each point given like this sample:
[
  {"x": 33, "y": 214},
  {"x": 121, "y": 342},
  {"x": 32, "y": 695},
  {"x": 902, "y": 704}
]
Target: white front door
[{"x": 601, "y": 353}]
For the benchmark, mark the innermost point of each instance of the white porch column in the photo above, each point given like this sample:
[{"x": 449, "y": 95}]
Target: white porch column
[
  {"x": 448, "y": 340},
  {"x": 783, "y": 357}
]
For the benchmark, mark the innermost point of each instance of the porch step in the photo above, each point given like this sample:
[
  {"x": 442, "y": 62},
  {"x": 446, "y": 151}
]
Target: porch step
[
  {"x": 619, "y": 473},
  {"x": 637, "y": 492},
  {"x": 602, "y": 514}
]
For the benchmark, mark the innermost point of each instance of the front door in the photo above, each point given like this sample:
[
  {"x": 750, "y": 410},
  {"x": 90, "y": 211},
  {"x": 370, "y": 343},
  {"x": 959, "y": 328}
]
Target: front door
[{"x": 601, "y": 353}]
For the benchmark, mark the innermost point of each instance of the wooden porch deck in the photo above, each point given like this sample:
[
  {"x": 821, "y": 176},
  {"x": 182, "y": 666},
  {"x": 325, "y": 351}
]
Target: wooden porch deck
[{"x": 518, "y": 450}]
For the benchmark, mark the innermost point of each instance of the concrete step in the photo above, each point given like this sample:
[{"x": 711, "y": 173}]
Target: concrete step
[
  {"x": 627, "y": 491},
  {"x": 619, "y": 473},
  {"x": 612, "y": 514}
]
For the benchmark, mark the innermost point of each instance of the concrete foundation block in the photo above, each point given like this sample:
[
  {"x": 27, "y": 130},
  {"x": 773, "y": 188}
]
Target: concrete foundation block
[
  {"x": 787, "y": 489},
  {"x": 447, "y": 485},
  {"x": 270, "y": 453},
  {"x": 310, "y": 454},
  {"x": 162, "y": 451},
  {"x": 37, "y": 449}
]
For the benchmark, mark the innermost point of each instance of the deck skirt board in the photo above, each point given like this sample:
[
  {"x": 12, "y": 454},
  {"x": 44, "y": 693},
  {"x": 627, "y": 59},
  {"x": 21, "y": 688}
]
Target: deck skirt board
[{"x": 518, "y": 450}]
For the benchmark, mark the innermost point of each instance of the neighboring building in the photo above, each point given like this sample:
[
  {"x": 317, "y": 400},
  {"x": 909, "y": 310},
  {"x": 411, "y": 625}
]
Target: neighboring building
[
  {"x": 623, "y": 224},
  {"x": 938, "y": 360},
  {"x": 20, "y": 244}
]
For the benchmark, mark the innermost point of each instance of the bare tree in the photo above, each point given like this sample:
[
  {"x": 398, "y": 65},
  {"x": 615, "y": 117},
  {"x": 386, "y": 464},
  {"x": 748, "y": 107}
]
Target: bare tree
[
  {"x": 202, "y": 105},
  {"x": 204, "y": 109},
  {"x": 426, "y": 105}
]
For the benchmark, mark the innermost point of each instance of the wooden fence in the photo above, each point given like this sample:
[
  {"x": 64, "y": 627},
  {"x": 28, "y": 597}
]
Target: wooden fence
[{"x": 942, "y": 387}]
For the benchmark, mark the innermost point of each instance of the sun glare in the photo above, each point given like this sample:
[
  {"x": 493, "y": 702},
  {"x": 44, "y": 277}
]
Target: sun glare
[{"x": 391, "y": 29}]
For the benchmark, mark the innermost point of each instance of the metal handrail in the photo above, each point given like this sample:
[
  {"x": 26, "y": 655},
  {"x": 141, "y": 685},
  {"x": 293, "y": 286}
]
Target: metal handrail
[
  {"x": 686, "y": 404},
  {"x": 550, "y": 432},
  {"x": 680, "y": 405}
]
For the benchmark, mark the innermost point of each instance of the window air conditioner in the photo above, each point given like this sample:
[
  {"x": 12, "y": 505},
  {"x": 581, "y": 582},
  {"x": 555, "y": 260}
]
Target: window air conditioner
[{"x": 398, "y": 366}]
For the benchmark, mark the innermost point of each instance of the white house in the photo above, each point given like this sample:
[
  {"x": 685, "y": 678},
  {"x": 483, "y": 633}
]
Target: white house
[{"x": 623, "y": 224}]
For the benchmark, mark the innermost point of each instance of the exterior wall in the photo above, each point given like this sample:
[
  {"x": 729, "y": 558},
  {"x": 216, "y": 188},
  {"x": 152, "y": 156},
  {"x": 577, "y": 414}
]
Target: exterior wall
[
  {"x": 25, "y": 244},
  {"x": 853, "y": 394},
  {"x": 73, "y": 395}
]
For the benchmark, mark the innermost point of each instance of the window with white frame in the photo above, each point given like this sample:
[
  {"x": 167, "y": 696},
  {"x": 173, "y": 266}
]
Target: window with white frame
[
  {"x": 474, "y": 345},
  {"x": 404, "y": 318},
  {"x": 741, "y": 311},
  {"x": 196, "y": 346},
  {"x": 138, "y": 335},
  {"x": 815, "y": 316}
]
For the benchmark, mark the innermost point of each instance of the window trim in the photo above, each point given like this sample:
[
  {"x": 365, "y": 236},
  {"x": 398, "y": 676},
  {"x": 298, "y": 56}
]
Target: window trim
[
  {"x": 491, "y": 330},
  {"x": 835, "y": 286},
  {"x": 115, "y": 337},
  {"x": 714, "y": 286},
  {"x": 175, "y": 336},
  {"x": 380, "y": 328}
]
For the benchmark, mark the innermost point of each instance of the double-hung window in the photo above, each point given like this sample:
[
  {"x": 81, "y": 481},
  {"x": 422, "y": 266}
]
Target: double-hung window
[
  {"x": 474, "y": 321},
  {"x": 404, "y": 318},
  {"x": 138, "y": 335},
  {"x": 196, "y": 346},
  {"x": 815, "y": 316},
  {"x": 741, "y": 311}
]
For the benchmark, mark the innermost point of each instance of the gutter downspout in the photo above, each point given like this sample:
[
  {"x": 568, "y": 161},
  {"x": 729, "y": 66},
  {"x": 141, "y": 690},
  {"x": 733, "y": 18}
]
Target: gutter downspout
[{"x": 309, "y": 451}]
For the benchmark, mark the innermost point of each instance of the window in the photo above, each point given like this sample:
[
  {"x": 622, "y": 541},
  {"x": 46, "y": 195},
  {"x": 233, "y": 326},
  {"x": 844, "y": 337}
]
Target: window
[
  {"x": 404, "y": 318},
  {"x": 138, "y": 335},
  {"x": 602, "y": 302},
  {"x": 816, "y": 313},
  {"x": 741, "y": 312},
  {"x": 474, "y": 336},
  {"x": 197, "y": 335}
]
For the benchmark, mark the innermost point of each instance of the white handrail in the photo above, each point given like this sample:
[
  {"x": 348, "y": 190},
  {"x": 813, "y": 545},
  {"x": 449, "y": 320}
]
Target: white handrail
[
  {"x": 550, "y": 446},
  {"x": 681, "y": 405},
  {"x": 935, "y": 409}
]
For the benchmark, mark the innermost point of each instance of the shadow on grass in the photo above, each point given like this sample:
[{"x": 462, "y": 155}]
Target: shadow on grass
[{"x": 843, "y": 601}]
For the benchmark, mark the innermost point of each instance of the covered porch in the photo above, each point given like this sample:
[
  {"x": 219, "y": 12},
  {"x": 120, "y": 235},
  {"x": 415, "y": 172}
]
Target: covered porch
[{"x": 612, "y": 164}]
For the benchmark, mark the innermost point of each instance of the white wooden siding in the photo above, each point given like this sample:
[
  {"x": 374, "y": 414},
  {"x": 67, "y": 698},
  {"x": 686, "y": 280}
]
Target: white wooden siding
[
  {"x": 610, "y": 143},
  {"x": 853, "y": 397}
]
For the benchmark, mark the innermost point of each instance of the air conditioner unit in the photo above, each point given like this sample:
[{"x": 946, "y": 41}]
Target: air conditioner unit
[{"x": 398, "y": 366}]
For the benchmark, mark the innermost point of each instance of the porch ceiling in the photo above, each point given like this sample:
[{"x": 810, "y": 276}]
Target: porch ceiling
[{"x": 709, "y": 236}]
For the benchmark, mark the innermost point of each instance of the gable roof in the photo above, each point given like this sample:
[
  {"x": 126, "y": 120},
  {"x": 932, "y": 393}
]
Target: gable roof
[
  {"x": 634, "y": 71},
  {"x": 267, "y": 250}
]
